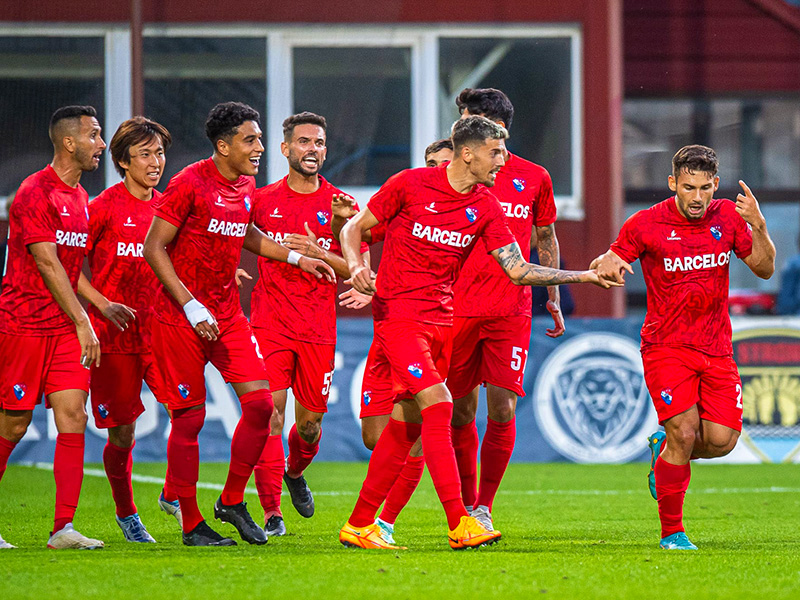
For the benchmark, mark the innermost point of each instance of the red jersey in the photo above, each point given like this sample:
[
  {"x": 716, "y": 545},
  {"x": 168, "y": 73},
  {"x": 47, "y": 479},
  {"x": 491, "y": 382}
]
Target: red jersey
[
  {"x": 118, "y": 223},
  {"x": 685, "y": 266},
  {"x": 287, "y": 300},
  {"x": 525, "y": 192},
  {"x": 45, "y": 209},
  {"x": 430, "y": 231},
  {"x": 212, "y": 215}
]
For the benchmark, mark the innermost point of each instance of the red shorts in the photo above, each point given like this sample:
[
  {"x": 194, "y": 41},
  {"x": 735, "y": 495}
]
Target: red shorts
[
  {"x": 678, "y": 378},
  {"x": 34, "y": 365},
  {"x": 305, "y": 367},
  {"x": 116, "y": 388},
  {"x": 182, "y": 356},
  {"x": 377, "y": 392},
  {"x": 412, "y": 356},
  {"x": 489, "y": 350}
]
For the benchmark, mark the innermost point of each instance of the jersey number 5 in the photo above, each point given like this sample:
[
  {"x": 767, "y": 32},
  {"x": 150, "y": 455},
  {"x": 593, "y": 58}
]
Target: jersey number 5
[{"x": 519, "y": 356}]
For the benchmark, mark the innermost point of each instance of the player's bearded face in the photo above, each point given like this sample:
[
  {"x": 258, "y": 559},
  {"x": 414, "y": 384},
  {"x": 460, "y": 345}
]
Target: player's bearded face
[
  {"x": 306, "y": 151},
  {"x": 146, "y": 164},
  {"x": 487, "y": 160},
  {"x": 89, "y": 145},
  {"x": 693, "y": 192},
  {"x": 245, "y": 149}
]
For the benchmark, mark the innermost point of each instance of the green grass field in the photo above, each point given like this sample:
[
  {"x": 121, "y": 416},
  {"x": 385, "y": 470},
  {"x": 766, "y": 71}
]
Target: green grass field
[{"x": 569, "y": 531}]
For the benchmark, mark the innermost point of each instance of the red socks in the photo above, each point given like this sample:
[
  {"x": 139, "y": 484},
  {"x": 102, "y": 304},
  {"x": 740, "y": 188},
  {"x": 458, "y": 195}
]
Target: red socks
[
  {"x": 68, "y": 473},
  {"x": 248, "y": 443},
  {"x": 301, "y": 453},
  {"x": 183, "y": 458},
  {"x": 6, "y": 448},
  {"x": 440, "y": 457},
  {"x": 496, "y": 450},
  {"x": 465, "y": 444},
  {"x": 269, "y": 476},
  {"x": 118, "y": 463},
  {"x": 385, "y": 465},
  {"x": 403, "y": 488},
  {"x": 169, "y": 491},
  {"x": 671, "y": 484}
]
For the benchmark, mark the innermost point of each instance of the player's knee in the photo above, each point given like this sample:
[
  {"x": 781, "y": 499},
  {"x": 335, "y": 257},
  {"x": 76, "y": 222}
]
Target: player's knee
[
  {"x": 73, "y": 418},
  {"x": 683, "y": 438},
  {"x": 258, "y": 410},
  {"x": 503, "y": 412},
  {"x": 309, "y": 431},
  {"x": 721, "y": 447},
  {"x": 121, "y": 437},
  {"x": 370, "y": 438},
  {"x": 463, "y": 413},
  {"x": 16, "y": 431}
]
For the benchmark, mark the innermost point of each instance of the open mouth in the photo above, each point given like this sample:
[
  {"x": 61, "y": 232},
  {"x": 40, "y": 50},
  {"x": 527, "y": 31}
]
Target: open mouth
[
  {"x": 310, "y": 161},
  {"x": 255, "y": 161},
  {"x": 154, "y": 175}
]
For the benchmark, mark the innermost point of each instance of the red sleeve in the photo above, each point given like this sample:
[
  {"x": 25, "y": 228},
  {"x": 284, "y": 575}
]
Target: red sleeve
[
  {"x": 628, "y": 245},
  {"x": 98, "y": 216},
  {"x": 390, "y": 199},
  {"x": 495, "y": 232},
  {"x": 742, "y": 235},
  {"x": 35, "y": 214},
  {"x": 175, "y": 203},
  {"x": 378, "y": 233},
  {"x": 545, "y": 205}
]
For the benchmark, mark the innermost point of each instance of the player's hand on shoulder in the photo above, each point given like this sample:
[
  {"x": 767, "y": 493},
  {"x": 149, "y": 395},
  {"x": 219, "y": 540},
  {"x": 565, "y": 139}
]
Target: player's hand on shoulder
[
  {"x": 353, "y": 299},
  {"x": 119, "y": 314},
  {"x": 343, "y": 206},
  {"x": 362, "y": 279},
  {"x": 317, "y": 268},
  {"x": 304, "y": 244},
  {"x": 747, "y": 207},
  {"x": 558, "y": 320},
  {"x": 90, "y": 345},
  {"x": 240, "y": 275}
]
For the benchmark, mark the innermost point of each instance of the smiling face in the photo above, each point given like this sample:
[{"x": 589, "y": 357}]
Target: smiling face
[
  {"x": 306, "y": 151},
  {"x": 242, "y": 154},
  {"x": 485, "y": 160},
  {"x": 88, "y": 144},
  {"x": 146, "y": 162},
  {"x": 694, "y": 191}
]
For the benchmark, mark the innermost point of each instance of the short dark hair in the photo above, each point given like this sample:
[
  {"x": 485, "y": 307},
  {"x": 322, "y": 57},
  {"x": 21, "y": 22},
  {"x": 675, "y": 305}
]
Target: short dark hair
[
  {"x": 476, "y": 129},
  {"x": 69, "y": 112},
  {"x": 694, "y": 158},
  {"x": 135, "y": 131},
  {"x": 488, "y": 102},
  {"x": 303, "y": 118},
  {"x": 224, "y": 120},
  {"x": 438, "y": 145}
]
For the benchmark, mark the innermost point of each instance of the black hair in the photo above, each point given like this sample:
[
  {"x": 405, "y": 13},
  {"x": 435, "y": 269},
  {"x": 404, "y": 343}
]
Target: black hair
[
  {"x": 433, "y": 148},
  {"x": 476, "y": 129},
  {"x": 69, "y": 112},
  {"x": 488, "y": 102},
  {"x": 303, "y": 118},
  {"x": 225, "y": 118},
  {"x": 132, "y": 132}
]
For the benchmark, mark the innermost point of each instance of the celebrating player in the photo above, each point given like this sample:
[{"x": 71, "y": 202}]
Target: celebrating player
[
  {"x": 433, "y": 219},
  {"x": 492, "y": 324},
  {"x": 294, "y": 314},
  {"x": 47, "y": 342},
  {"x": 204, "y": 218},
  {"x": 121, "y": 293},
  {"x": 684, "y": 245}
]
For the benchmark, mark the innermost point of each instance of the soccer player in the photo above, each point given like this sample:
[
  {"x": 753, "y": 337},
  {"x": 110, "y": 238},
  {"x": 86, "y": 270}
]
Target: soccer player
[
  {"x": 47, "y": 342},
  {"x": 121, "y": 293},
  {"x": 294, "y": 314},
  {"x": 433, "y": 218},
  {"x": 438, "y": 153},
  {"x": 684, "y": 245},
  {"x": 492, "y": 324},
  {"x": 194, "y": 244}
]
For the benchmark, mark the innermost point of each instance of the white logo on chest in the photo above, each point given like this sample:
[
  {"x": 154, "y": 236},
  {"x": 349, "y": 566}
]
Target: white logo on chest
[
  {"x": 227, "y": 228},
  {"x": 132, "y": 249}
]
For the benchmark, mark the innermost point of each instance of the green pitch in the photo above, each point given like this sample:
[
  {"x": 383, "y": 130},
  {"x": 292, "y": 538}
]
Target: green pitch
[{"x": 569, "y": 531}]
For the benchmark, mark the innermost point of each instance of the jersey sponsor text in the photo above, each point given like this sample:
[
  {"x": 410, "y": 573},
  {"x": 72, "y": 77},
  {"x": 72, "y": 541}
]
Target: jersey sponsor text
[{"x": 442, "y": 236}]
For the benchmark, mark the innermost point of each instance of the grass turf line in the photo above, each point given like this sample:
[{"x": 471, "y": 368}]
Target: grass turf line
[{"x": 558, "y": 541}]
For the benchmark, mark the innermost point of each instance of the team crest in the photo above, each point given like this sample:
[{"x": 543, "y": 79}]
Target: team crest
[
  {"x": 716, "y": 232},
  {"x": 323, "y": 217},
  {"x": 247, "y": 203},
  {"x": 519, "y": 184},
  {"x": 86, "y": 210},
  {"x": 472, "y": 214},
  {"x": 666, "y": 396},
  {"x": 415, "y": 369},
  {"x": 102, "y": 410},
  {"x": 19, "y": 390},
  {"x": 367, "y": 397},
  {"x": 184, "y": 389}
]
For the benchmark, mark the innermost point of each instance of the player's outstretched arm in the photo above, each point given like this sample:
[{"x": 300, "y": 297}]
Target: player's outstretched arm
[
  {"x": 550, "y": 256},
  {"x": 611, "y": 267},
  {"x": 361, "y": 276},
  {"x": 524, "y": 273},
  {"x": 762, "y": 258},
  {"x": 256, "y": 242},
  {"x": 119, "y": 314},
  {"x": 57, "y": 281},
  {"x": 159, "y": 236}
]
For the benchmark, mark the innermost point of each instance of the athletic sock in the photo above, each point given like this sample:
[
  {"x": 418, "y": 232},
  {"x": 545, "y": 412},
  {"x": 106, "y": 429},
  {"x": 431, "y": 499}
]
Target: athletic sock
[
  {"x": 496, "y": 450},
  {"x": 385, "y": 465},
  {"x": 440, "y": 457},
  {"x": 269, "y": 476},
  {"x": 68, "y": 473},
  {"x": 168, "y": 491},
  {"x": 671, "y": 484},
  {"x": 118, "y": 463},
  {"x": 465, "y": 445},
  {"x": 248, "y": 443},
  {"x": 301, "y": 453},
  {"x": 183, "y": 458},
  {"x": 6, "y": 448},
  {"x": 403, "y": 488}
]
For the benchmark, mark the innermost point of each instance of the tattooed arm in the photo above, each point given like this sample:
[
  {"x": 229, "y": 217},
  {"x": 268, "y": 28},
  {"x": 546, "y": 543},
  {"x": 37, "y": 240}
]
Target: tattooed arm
[
  {"x": 525, "y": 273},
  {"x": 549, "y": 256}
]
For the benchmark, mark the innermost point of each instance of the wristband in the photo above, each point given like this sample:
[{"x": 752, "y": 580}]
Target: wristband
[
  {"x": 197, "y": 313},
  {"x": 293, "y": 258}
]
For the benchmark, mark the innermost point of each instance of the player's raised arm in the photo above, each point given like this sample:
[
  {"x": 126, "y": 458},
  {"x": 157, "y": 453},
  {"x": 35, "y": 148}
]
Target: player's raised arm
[
  {"x": 762, "y": 259},
  {"x": 57, "y": 281},
  {"x": 159, "y": 236},
  {"x": 524, "y": 273},
  {"x": 361, "y": 276},
  {"x": 119, "y": 314},
  {"x": 256, "y": 242}
]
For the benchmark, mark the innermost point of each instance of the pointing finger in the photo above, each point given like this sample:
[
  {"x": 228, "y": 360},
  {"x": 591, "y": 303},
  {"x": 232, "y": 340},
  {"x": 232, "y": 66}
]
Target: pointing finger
[{"x": 746, "y": 189}]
